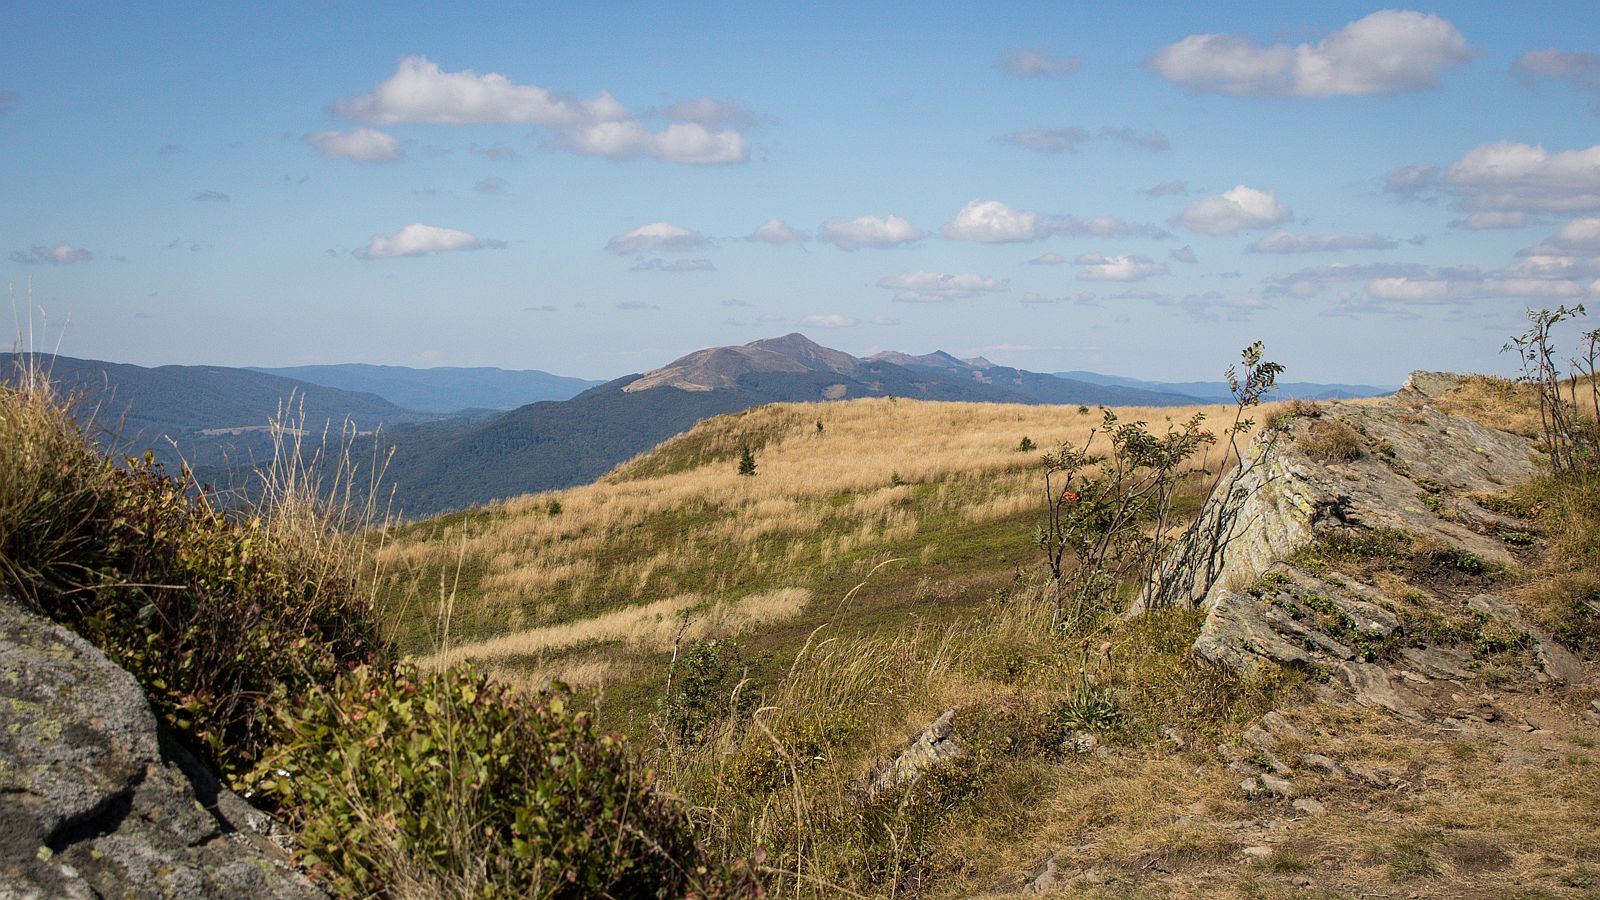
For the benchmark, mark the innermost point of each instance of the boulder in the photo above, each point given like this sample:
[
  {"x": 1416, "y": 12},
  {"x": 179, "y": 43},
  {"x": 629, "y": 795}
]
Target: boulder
[
  {"x": 93, "y": 801},
  {"x": 932, "y": 746}
]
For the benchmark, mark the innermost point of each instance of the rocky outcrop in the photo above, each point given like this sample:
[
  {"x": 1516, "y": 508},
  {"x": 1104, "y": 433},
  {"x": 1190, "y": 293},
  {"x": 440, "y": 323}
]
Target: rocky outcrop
[
  {"x": 94, "y": 803},
  {"x": 1408, "y": 458},
  {"x": 934, "y": 745}
]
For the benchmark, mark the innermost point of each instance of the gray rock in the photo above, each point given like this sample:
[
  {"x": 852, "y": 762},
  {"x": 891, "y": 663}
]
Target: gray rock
[
  {"x": 1555, "y": 661},
  {"x": 932, "y": 746},
  {"x": 1283, "y": 787},
  {"x": 1324, "y": 764},
  {"x": 91, "y": 801},
  {"x": 1282, "y": 498},
  {"x": 1310, "y": 806}
]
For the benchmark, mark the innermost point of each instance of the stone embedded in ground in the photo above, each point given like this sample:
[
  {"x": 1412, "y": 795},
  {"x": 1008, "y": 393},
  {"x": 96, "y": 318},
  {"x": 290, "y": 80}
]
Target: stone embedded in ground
[
  {"x": 1324, "y": 764},
  {"x": 932, "y": 746},
  {"x": 1310, "y": 806},
  {"x": 91, "y": 802},
  {"x": 1282, "y": 787}
]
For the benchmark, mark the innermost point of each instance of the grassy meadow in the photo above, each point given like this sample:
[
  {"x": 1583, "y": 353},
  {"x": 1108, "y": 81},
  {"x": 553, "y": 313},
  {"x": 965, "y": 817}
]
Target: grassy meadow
[{"x": 594, "y": 584}]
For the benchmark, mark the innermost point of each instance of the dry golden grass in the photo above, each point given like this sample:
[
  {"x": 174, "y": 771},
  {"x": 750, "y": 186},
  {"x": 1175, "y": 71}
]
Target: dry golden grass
[
  {"x": 680, "y": 520},
  {"x": 1496, "y": 402}
]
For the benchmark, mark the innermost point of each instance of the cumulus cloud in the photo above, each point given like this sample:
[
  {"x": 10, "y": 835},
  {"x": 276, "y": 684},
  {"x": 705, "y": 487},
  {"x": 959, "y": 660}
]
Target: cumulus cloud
[
  {"x": 1167, "y": 189},
  {"x": 1581, "y": 70},
  {"x": 938, "y": 287},
  {"x": 212, "y": 197},
  {"x": 1035, "y": 62},
  {"x": 997, "y": 222},
  {"x": 678, "y": 265},
  {"x": 1486, "y": 221},
  {"x": 1048, "y": 259},
  {"x": 1577, "y": 236},
  {"x": 417, "y": 239},
  {"x": 1387, "y": 52},
  {"x": 1285, "y": 242},
  {"x": 57, "y": 255},
  {"x": 494, "y": 184},
  {"x": 1239, "y": 209},
  {"x": 1098, "y": 267},
  {"x": 1066, "y": 140},
  {"x": 420, "y": 92},
  {"x": 657, "y": 237},
  {"x": 774, "y": 231},
  {"x": 367, "y": 145},
  {"x": 869, "y": 231},
  {"x": 994, "y": 222},
  {"x": 1525, "y": 177},
  {"x": 832, "y": 320}
]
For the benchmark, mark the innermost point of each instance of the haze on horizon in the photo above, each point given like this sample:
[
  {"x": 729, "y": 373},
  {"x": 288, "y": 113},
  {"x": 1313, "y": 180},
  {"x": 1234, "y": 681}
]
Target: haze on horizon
[{"x": 597, "y": 190}]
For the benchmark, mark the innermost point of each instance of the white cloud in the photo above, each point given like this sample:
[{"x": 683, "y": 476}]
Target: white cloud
[
  {"x": 1581, "y": 70},
  {"x": 1524, "y": 177},
  {"x": 1285, "y": 242},
  {"x": 1033, "y": 62},
  {"x": 774, "y": 231},
  {"x": 1103, "y": 226},
  {"x": 833, "y": 320},
  {"x": 367, "y": 145},
  {"x": 678, "y": 265},
  {"x": 1424, "y": 291},
  {"x": 1577, "y": 236},
  {"x": 1185, "y": 254},
  {"x": 937, "y": 287},
  {"x": 657, "y": 237},
  {"x": 1238, "y": 209},
  {"x": 869, "y": 231},
  {"x": 994, "y": 222},
  {"x": 58, "y": 254},
  {"x": 1097, "y": 267},
  {"x": 494, "y": 184},
  {"x": 1486, "y": 221},
  {"x": 421, "y": 240},
  {"x": 420, "y": 92},
  {"x": 1048, "y": 259},
  {"x": 1389, "y": 51},
  {"x": 711, "y": 112}
]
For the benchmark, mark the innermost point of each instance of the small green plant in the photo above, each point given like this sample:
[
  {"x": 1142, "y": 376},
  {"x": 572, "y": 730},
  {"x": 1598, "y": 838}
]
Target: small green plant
[
  {"x": 1026, "y": 445},
  {"x": 553, "y": 508},
  {"x": 698, "y": 694},
  {"x": 747, "y": 462},
  {"x": 895, "y": 480},
  {"x": 451, "y": 784}
]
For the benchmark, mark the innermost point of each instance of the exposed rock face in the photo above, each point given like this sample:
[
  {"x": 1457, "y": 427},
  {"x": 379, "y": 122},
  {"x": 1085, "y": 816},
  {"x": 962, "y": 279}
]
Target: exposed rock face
[
  {"x": 934, "y": 745},
  {"x": 91, "y": 801},
  {"x": 1284, "y": 496}
]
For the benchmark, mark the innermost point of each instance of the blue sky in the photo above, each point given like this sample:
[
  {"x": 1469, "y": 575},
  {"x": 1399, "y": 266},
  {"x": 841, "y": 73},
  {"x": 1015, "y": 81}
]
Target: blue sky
[{"x": 1055, "y": 186}]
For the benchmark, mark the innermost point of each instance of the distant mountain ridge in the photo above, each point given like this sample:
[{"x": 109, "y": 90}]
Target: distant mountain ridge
[
  {"x": 550, "y": 445},
  {"x": 443, "y": 389},
  {"x": 216, "y": 415}
]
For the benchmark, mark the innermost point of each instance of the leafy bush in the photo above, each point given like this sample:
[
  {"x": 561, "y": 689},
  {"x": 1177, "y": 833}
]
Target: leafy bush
[
  {"x": 697, "y": 691},
  {"x": 220, "y": 618},
  {"x": 452, "y": 784}
]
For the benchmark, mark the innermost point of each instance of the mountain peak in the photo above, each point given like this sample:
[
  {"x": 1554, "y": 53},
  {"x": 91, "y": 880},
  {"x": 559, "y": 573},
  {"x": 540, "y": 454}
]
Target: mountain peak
[{"x": 719, "y": 368}]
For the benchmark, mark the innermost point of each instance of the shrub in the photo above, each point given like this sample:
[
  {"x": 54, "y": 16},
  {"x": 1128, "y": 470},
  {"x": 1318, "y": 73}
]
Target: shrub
[
  {"x": 219, "y": 617},
  {"x": 452, "y": 784},
  {"x": 1026, "y": 445},
  {"x": 747, "y": 462},
  {"x": 697, "y": 691},
  {"x": 1330, "y": 440},
  {"x": 1297, "y": 408}
]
